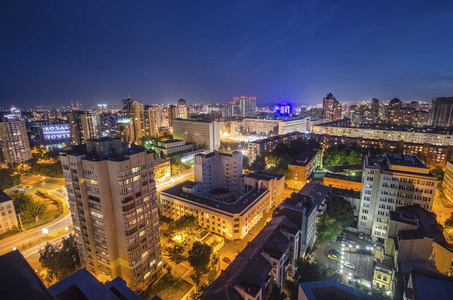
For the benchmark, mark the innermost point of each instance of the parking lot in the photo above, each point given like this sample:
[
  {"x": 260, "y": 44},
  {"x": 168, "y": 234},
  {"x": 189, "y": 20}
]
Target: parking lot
[{"x": 363, "y": 265}]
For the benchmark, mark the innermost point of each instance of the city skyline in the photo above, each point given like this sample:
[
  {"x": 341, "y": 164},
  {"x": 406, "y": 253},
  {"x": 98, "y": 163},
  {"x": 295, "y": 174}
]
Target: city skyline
[{"x": 205, "y": 52}]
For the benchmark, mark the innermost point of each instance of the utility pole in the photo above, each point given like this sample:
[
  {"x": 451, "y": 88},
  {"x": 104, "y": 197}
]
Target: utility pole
[{"x": 20, "y": 221}]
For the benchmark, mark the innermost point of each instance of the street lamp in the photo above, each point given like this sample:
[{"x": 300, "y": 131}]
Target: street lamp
[
  {"x": 45, "y": 231},
  {"x": 66, "y": 228}
]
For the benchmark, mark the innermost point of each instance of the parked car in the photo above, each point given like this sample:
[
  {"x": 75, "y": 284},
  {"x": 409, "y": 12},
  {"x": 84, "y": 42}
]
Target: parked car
[
  {"x": 226, "y": 260},
  {"x": 332, "y": 256},
  {"x": 361, "y": 236},
  {"x": 350, "y": 242},
  {"x": 349, "y": 265}
]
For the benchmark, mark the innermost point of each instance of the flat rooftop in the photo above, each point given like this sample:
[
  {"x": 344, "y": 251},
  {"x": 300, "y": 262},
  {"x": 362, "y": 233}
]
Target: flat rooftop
[
  {"x": 171, "y": 141},
  {"x": 304, "y": 158},
  {"x": 343, "y": 177},
  {"x": 265, "y": 175},
  {"x": 238, "y": 207},
  {"x": 405, "y": 160},
  {"x": 345, "y": 193}
]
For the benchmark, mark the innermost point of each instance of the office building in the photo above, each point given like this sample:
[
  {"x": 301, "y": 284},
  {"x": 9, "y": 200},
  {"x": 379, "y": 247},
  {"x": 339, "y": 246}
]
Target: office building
[
  {"x": 391, "y": 181},
  {"x": 84, "y": 125},
  {"x": 442, "y": 112},
  {"x": 19, "y": 281},
  {"x": 331, "y": 108},
  {"x": 8, "y": 217},
  {"x": 162, "y": 170},
  {"x": 264, "y": 262},
  {"x": 303, "y": 167},
  {"x": 221, "y": 198},
  {"x": 219, "y": 171},
  {"x": 270, "y": 127},
  {"x": 112, "y": 198},
  {"x": 206, "y": 134},
  {"x": 260, "y": 147},
  {"x": 173, "y": 147},
  {"x": 14, "y": 144}
]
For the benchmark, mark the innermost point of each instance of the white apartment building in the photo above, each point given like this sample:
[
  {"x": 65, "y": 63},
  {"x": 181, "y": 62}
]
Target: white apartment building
[
  {"x": 8, "y": 217},
  {"x": 392, "y": 181},
  {"x": 14, "y": 145},
  {"x": 217, "y": 170},
  {"x": 113, "y": 203},
  {"x": 204, "y": 133},
  {"x": 276, "y": 127},
  {"x": 221, "y": 198}
]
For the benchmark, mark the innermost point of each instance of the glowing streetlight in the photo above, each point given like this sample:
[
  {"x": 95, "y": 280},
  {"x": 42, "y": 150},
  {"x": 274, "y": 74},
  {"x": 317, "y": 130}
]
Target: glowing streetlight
[
  {"x": 66, "y": 228},
  {"x": 45, "y": 231},
  {"x": 14, "y": 248}
]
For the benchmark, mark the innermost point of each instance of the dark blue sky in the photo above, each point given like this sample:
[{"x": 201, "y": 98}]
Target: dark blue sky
[{"x": 52, "y": 52}]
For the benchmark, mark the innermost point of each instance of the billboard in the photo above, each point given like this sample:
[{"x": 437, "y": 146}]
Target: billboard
[{"x": 56, "y": 132}]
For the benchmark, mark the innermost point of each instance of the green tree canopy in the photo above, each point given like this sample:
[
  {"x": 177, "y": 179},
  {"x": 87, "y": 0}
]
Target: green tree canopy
[
  {"x": 176, "y": 164},
  {"x": 60, "y": 263},
  {"x": 8, "y": 179},
  {"x": 328, "y": 229},
  {"x": 200, "y": 256}
]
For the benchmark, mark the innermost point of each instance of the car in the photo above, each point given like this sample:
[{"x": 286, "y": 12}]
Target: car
[
  {"x": 226, "y": 260},
  {"x": 350, "y": 242},
  {"x": 333, "y": 251},
  {"x": 347, "y": 264},
  {"x": 361, "y": 236},
  {"x": 22, "y": 190},
  {"x": 332, "y": 256}
]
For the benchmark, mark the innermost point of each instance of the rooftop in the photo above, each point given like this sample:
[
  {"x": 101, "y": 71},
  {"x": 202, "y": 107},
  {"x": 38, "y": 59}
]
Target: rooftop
[
  {"x": 239, "y": 206},
  {"x": 330, "y": 289},
  {"x": 265, "y": 175},
  {"x": 4, "y": 197},
  {"x": 405, "y": 160},
  {"x": 343, "y": 177},
  {"x": 430, "y": 285},
  {"x": 345, "y": 193},
  {"x": 304, "y": 158},
  {"x": 18, "y": 280},
  {"x": 171, "y": 141},
  {"x": 316, "y": 191}
]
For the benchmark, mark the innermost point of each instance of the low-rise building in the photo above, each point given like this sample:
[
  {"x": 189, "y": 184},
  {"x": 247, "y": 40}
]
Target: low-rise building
[
  {"x": 264, "y": 262},
  {"x": 330, "y": 289},
  {"x": 173, "y": 147},
  {"x": 303, "y": 167},
  {"x": 423, "y": 284},
  {"x": 162, "y": 170},
  {"x": 383, "y": 276},
  {"x": 8, "y": 217},
  {"x": 343, "y": 181},
  {"x": 274, "y": 182},
  {"x": 260, "y": 147}
]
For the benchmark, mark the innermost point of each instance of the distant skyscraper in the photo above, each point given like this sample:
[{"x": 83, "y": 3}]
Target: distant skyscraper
[
  {"x": 395, "y": 113},
  {"x": 331, "y": 108},
  {"x": 113, "y": 202},
  {"x": 375, "y": 107},
  {"x": 177, "y": 112},
  {"x": 84, "y": 125},
  {"x": 442, "y": 112},
  {"x": 246, "y": 106},
  {"x": 14, "y": 145}
]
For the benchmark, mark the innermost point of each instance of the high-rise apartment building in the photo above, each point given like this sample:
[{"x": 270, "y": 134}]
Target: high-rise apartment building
[
  {"x": 442, "y": 112},
  {"x": 112, "y": 198},
  {"x": 246, "y": 106},
  {"x": 178, "y": 111},
  {"x": 206, "y": 134},
  {"x": 392, "y": 181},
  {"x": 14, "y": 145},
  {"x": 135, "y": 111},
  {"x": 84, "y": 125},
  {"x": 217, "y": 170},
  {"x": 375, "y": 107},
  {"x": 331, "y": 108},
  {"x": 151, "y": 121}
]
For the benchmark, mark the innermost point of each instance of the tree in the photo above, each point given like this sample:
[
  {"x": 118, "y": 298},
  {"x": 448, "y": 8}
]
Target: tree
[
  {"x": 449, "y": 222},
  {"x": 176, "y": 164},
  {"x": 439, "y": 173},
  {"x": 199, "y": 256},
  {"x": 25, "y": 204},
  {"x": 306, "y": 270},
  {"x": 341, "y": 210},
  {"x": 8, "y": 179},
  {"x": 60, "y": 263},
  {"x": 328, "y": 229}
]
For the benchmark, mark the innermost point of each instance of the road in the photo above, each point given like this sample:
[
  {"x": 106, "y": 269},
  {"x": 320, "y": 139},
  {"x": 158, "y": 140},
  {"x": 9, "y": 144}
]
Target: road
[{"x": 185, "y": 175}]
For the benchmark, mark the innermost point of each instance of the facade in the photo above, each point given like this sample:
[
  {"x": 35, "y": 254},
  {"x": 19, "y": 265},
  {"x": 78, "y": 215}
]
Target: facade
[
  {"x": 447, "y": 184},
  {"x": 408, "y": 135},
  {"x": 219, "y": 171},
  {"x": 84, "y": 125},
  {"x": 331, "y": 108},
  {"x": 112, "y": 198},
  {"x": 173, "y": 147},
  {"x": 246, "y": 106},
  {"x": 204, "y": 133},
  {"x": 264, "y": 262},
  {"x": 260, "y": 147},
  {"x": 383, "y": 276},
  {"x": 8, "y": 217},
  {"x": 14, "y": 144},
  {"x": 392, "y": 181},
  {"x": 432, "y": 155},
  {"x": 276, "y": 126},
  {"x": 221, "y": 198},
  {"x": 162, "y": 170},
  {"x": 303, "y": 167},
  {"x": 342, "y": 181},
  {"x": 442, "y": 112}
]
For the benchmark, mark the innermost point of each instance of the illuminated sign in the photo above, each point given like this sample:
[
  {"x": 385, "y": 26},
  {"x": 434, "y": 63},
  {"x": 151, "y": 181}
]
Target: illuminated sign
[{"x": 56, "y": 132}]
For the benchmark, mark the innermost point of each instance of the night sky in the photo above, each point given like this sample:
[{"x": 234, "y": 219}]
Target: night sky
[{"x": 52, "y": 52}]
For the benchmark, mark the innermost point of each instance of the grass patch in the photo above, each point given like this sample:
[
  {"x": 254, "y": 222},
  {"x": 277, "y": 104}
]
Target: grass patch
[{"x": 167, "y": 288}]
